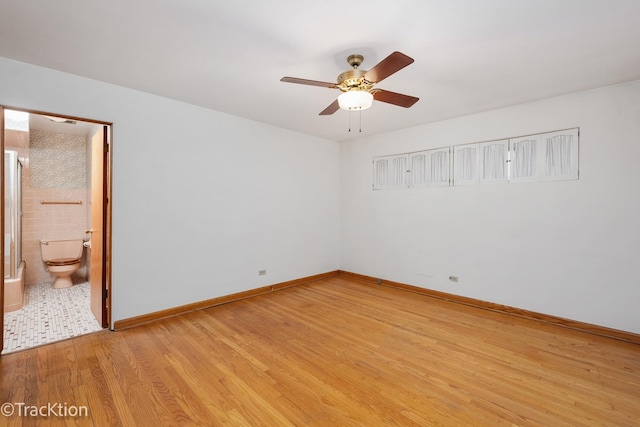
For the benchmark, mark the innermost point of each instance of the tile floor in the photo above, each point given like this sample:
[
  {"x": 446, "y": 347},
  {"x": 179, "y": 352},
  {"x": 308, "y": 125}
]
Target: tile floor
[{"x": 49, "y": 315}]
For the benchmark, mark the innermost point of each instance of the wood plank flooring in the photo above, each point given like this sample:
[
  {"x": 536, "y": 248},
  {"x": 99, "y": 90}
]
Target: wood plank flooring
[{"x": 335, "y": 352}]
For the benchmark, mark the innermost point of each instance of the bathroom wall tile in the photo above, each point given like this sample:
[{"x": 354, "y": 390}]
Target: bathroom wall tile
[{"x": 64, "y": 156}]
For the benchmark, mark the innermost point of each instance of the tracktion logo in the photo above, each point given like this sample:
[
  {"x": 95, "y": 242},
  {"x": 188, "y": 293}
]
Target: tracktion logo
[{"x": 56, "y": 409}]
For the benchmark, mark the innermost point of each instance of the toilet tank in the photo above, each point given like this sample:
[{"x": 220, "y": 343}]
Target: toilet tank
[{"x": 61, "y": 249}]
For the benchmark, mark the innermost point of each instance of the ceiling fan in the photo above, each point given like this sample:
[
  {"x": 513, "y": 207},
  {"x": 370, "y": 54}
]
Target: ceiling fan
[{"x": 357, "y": 85}]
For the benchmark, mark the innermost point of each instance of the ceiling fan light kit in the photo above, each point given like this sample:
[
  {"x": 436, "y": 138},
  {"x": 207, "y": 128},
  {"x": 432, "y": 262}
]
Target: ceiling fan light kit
[
  {"x": 357, "y": 85},
  {"x": 355, "y": 100}
]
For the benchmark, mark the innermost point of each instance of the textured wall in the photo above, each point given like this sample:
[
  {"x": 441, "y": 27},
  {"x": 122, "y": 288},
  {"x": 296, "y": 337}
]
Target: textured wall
[{"x": 58, "y": 160}]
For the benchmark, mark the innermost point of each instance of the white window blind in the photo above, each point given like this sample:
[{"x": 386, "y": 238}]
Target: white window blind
[
  {"x": 419, "y": 173},
  {"x": 430, "y": 168},
  {"x": 390, "y": 172},
  {"x": 540, "y": 157},
  {"x": 561, "y": 154},
  {"x": 494, "y": 156},
  {"x": 524, "y": 158},
  {"x": 546, "y": 156},
  {"x": 465, "y": 164},
  {"x": 439, "y": 166}
]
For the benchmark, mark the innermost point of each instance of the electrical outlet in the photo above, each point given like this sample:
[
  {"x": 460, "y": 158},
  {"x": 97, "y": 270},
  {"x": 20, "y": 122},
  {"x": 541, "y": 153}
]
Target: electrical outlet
[
  {"x": 262, "y": 272},
  {"x": 453, "y": 279}
]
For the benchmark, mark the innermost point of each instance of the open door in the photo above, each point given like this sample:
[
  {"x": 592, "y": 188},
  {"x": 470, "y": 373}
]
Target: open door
[
  {"x": 98, "y": 214},
  {"x": 2, "y": 227},
  {"x": 97, "y": 227}
]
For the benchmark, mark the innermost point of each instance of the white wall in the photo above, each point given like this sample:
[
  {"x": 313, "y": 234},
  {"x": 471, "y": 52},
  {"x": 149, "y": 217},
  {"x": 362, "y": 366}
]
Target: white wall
[
  {"x": 201, "y": 200},
  {"x": 569, "y": 249}
]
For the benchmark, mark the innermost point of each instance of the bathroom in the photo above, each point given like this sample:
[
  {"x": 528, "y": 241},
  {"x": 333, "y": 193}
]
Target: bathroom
[{"x": 48, "y": 198}]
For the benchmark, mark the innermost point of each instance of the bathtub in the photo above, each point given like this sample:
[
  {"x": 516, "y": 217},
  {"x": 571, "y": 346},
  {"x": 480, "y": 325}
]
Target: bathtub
[{"x": 14, "y": 291}]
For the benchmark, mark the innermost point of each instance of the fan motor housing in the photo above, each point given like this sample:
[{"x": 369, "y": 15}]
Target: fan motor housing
[{"x": 353, "y": 79}]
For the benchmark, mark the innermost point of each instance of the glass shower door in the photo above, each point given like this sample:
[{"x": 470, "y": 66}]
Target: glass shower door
[{"x": 12, "y": 214}]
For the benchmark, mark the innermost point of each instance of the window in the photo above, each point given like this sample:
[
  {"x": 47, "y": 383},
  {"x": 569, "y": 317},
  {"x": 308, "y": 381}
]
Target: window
[
  {"x": 483, "y": 162},
  {"x": 494, "y": 161},
  {"x": 524, "y": 158},
  {"x": 541, "y": 157},
  {"x": 561, "y": 154},
  {"x": 430, "y": 168},
  {"x": 465, "y": 164},
  {"x": 390, "y": 172},
  {"x": 547, "y": 156}
]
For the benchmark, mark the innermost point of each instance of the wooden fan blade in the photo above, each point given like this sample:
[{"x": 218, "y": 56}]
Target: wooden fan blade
[
  {"x": 389, "y": 65},
  {"x": 394, "y": 98},
  {"x": 307, "y": 82},
  {"x": 330, "y": 109}
]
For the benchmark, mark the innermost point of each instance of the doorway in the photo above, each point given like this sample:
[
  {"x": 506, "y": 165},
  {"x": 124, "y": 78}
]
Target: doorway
[{"x": 66, "y": 189}]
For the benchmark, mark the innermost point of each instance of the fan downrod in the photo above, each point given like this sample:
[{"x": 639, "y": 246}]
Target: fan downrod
[
  {"x": 353, "y": 79},
  {"x": 355, "y": 60}
]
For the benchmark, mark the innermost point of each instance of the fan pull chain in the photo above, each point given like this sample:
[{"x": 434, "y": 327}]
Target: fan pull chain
[{"x": 360, "y": 119}]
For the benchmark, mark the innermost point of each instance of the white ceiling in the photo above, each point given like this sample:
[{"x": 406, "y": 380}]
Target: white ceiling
[
  {"x": 70, "y": 127},
  {"x": 470, "y": 55}
]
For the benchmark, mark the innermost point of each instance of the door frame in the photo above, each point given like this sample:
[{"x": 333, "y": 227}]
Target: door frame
[
  {"x": 107, "y": 183},
  {"x": 2, "y": 226}
]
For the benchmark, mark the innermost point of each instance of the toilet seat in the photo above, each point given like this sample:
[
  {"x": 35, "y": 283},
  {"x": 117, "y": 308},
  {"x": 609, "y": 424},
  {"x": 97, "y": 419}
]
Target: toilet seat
[
  {"x": 62, "y": 258},
  {"x": 62, "y": 261}
]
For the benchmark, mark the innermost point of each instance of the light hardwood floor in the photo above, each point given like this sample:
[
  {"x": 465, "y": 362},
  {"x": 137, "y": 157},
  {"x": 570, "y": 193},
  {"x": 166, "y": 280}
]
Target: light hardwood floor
[{"x": 335, "y": 352}]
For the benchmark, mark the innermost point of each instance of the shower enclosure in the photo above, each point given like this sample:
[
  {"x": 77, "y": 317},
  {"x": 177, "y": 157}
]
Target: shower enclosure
[{"x": 13, "y": 264}]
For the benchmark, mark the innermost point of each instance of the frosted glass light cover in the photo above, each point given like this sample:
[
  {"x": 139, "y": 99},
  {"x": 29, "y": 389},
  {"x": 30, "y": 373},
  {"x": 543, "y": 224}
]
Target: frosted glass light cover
[{"x": 355, "y": 100}]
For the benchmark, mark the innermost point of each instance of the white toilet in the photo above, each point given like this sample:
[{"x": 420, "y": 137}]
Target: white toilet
[{"x": 62, "y": 258}]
